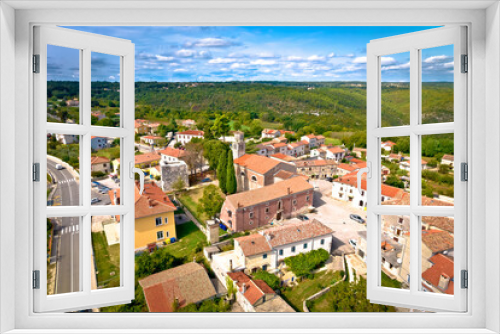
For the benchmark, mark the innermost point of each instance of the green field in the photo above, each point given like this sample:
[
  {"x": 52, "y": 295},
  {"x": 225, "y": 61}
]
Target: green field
[
  {"x": 189, "y": 237},
  {"x": 107, "y": 261}
]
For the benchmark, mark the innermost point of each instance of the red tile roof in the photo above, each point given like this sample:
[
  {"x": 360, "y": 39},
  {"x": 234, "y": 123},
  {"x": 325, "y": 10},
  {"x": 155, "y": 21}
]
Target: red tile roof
[
  {"x": 437, "y": 241},
  {"x": 295, "y": 232},
  {"x": 257, "y": 163},
  {"x": 253, "y": 244},
  {"x": 271, "y": 192},
  {"x": 98, "y": 160},
  {"x": 146, "y": 158},
  {"x": 192, "y": 133},
  {"x": 152, "y": 137},
  {"x": 173, "y": 152},
  {"x": 188, "y": 283},
  {"x": 254, "y": 289},
  {"x": 442, "y": 265},
  {"x": 336, "y": 149},
  {"x": 352, "y": 180}
]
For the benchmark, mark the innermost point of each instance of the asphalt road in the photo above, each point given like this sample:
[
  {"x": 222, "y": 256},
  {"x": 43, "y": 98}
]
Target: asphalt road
[{"x": 66, "y": 231}]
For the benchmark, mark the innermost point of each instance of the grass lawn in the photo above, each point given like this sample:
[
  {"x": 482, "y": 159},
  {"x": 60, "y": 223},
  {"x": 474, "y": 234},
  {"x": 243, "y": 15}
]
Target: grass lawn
[
  {"x": 189, "y": 236},
  {"x": 390, "y": 283},
  {"x": 190, "y": 200},
  {"x": 107, "y": 259},
  {"x": 333, "y": 141},
  {"x": 111, "y": 153},
  {"x": 271, "y": 125},
  {"x": 296, "y": 295}
]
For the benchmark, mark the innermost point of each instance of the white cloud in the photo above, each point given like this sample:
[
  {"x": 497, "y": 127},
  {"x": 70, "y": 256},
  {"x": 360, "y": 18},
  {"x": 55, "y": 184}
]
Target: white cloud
[
  {"x": 331, "y": 55},
  {"x": 163, "y": 58},
  {"x": 181, "y": 70},
  {"x": 383, "y": 60},
  {"x": 212, "y": 42},
  {"x": 112, "y": 77},
  {"x": 266, "y": 55},
  {"x": 397, "y": 67},
  {"x": 294, "y": 58},
  {"x": 449, "y": 65},
  {"x": 350, "y": 55},
  {"x": 436, "y": 59},
  {"x": 204, "y": 54},
  {"x": 316, "y": 58},
  {"x": 236, "y": 66},
  {"x": 185, "y": 53},
  {"x": 359, "y": 60},
  {"x": 222, "y": 61},
  {"x": 263, "y": 62}
]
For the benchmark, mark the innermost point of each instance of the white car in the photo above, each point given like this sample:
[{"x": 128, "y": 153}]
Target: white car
[
  {"x": 59, "y": 166},
  {"x": 353, "y": 242}
]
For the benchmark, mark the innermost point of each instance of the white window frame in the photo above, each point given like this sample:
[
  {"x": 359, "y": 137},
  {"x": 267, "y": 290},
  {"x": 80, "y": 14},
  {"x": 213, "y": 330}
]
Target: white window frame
[
  {"x": 162, "y": 235},
  {"x": 484, "y": 102},
  {"x": 413, "y": 43},
  {"x": 156, "y": 221},
  {"x": 86, "y": 43}
]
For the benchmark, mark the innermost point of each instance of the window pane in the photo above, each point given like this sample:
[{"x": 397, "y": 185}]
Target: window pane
[
  {"x": 63, "y": 84},
  {"x": 437, "y": 254},
  {"x": 105, "y": 170},
  {"x": 395, "y": 252},
  {"x": 106, "y": 234},
  {"x": 63, "y": 254},
  {"x": 63, "y": 169},
  {"x": 437, "y": 84},
  {"x": 438, "y": 170},
  {"x": 395, "y": 76},
  {"x": 395, "y": 170},
  {"x": 105, "y": 90}
]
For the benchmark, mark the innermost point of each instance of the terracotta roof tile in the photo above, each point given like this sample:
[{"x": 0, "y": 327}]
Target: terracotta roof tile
[
  {"x": 98, "y": 160},
  {"x": 188, "y": 283},
  {"x": 274, "y": 191},
  {"x": 437, "y": 241},
  {"x": 192, "y": 133},
  {"x": 257, "y": 163},
  {"x": 253, "y": 244},
  {"x": 295, "y": 232},
  {"x": 442, "y": 265}
]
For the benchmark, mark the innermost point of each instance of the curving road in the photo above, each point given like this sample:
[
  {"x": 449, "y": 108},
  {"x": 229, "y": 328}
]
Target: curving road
[{"x": 66, "y": 231}]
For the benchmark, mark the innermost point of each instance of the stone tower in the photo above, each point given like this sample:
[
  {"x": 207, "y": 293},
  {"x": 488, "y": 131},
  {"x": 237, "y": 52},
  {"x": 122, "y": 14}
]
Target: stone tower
[
  {"x": 213, "y": 231},
  {"x": 238, "y": 146}
]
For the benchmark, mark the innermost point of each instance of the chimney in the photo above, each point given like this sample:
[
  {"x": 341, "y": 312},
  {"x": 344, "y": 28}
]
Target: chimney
[
  {"x": 289, "y": 190},
  {"x": 230, "y": 265},
  {"x": 150, "y": 203},
  {"x": 243, "y": 288},
  {"x": 444, "y": 281}
]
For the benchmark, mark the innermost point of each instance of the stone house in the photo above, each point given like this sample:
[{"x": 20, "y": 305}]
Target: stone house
[
  {"x": 255, "y": 171},
  {"x": 171, "y": 172},
  {"x": 100, "y": 164},
  {"x": 259, "y": 207},
  {"x": 317, "y": 169}
]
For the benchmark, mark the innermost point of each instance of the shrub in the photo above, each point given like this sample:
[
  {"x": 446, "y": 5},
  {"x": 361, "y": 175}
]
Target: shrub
[
  {"x": 272, "y": 280},
  {"x": 98, "y": 174},
  {"x": 302, "y": 264}
]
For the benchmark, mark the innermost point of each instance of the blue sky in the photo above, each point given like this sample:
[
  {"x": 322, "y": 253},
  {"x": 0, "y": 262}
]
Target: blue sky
[{"x": 196, "y": 53}]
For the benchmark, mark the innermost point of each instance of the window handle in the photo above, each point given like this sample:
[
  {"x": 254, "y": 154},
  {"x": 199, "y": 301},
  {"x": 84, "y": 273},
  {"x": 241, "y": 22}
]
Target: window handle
[
  {"x": 134, "y": 170},
  {"x": 367, "y": 170}
]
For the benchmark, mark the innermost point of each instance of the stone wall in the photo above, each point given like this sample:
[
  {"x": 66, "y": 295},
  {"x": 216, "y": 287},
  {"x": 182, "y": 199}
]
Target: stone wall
[{"x": 170, "y": 172}]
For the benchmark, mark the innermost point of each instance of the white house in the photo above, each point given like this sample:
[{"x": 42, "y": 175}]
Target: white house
[
  {"x": 345, "y": 188},
  {"x": 387, "y": 145},
  {"x": 313, "y": 140},
  {"x": 336, "y": 153},
  {"x": 297, "y": 149},
  {"x": 448, "y": 160},
  {"x": 267, "y": 249},
  {"x": 170, "y": 155},
  {"x": 66, "y": 139},
  {"x": 270, "y": 133},
  {"x": 98, "y": 143},
  {"x": 186, "y": 136},
  {"x": 405, "y": 165}
]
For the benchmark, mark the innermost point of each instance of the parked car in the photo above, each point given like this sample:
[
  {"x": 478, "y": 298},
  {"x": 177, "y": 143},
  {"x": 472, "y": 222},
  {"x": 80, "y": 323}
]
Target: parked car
[
  {"x": 357, "y": 218},
  {"x": 353, "y": 242},
  {"x": 59, "y": 166},
  {"x": 95, "y": 200},
  {"x": 104, "y": 190},
  {"x": 207, "y": 179},
  {"x": 303, "y": 217}
]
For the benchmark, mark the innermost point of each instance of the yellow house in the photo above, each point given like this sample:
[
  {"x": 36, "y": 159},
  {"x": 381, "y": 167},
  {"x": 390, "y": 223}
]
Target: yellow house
[{"x": 154, "y": 216}]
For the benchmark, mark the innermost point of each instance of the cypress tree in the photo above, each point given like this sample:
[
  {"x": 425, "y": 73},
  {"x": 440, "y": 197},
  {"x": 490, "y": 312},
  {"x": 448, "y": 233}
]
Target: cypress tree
[
  {"x": 221, "y": 172},
  {"x": 231, "y": 186}
]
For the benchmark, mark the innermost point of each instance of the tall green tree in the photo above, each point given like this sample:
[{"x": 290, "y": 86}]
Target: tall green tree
[
  {"x": 231, "y": 185},
  {"x": 222, "y": 172},
  {"x": 211, "y": 202},
  {"x": 221, "y": 126}
]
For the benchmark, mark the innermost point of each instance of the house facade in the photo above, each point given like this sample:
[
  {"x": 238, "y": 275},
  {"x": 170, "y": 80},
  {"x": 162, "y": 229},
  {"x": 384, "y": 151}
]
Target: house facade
[
  {"x": 267, "y": 249},
  {"x": 313, "y": 140},
  {"x": 100, "y": 164},
  {"x": 317, "y": 169},
  {"x": 154, "y": 216},
  {"x": 254, "y": 171},
  {"x": 98, "y": 143},
  {"x": 336, "y": 153},
  {"x": 185, "y": 137},
  {"x": 259, "y": 207}
]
